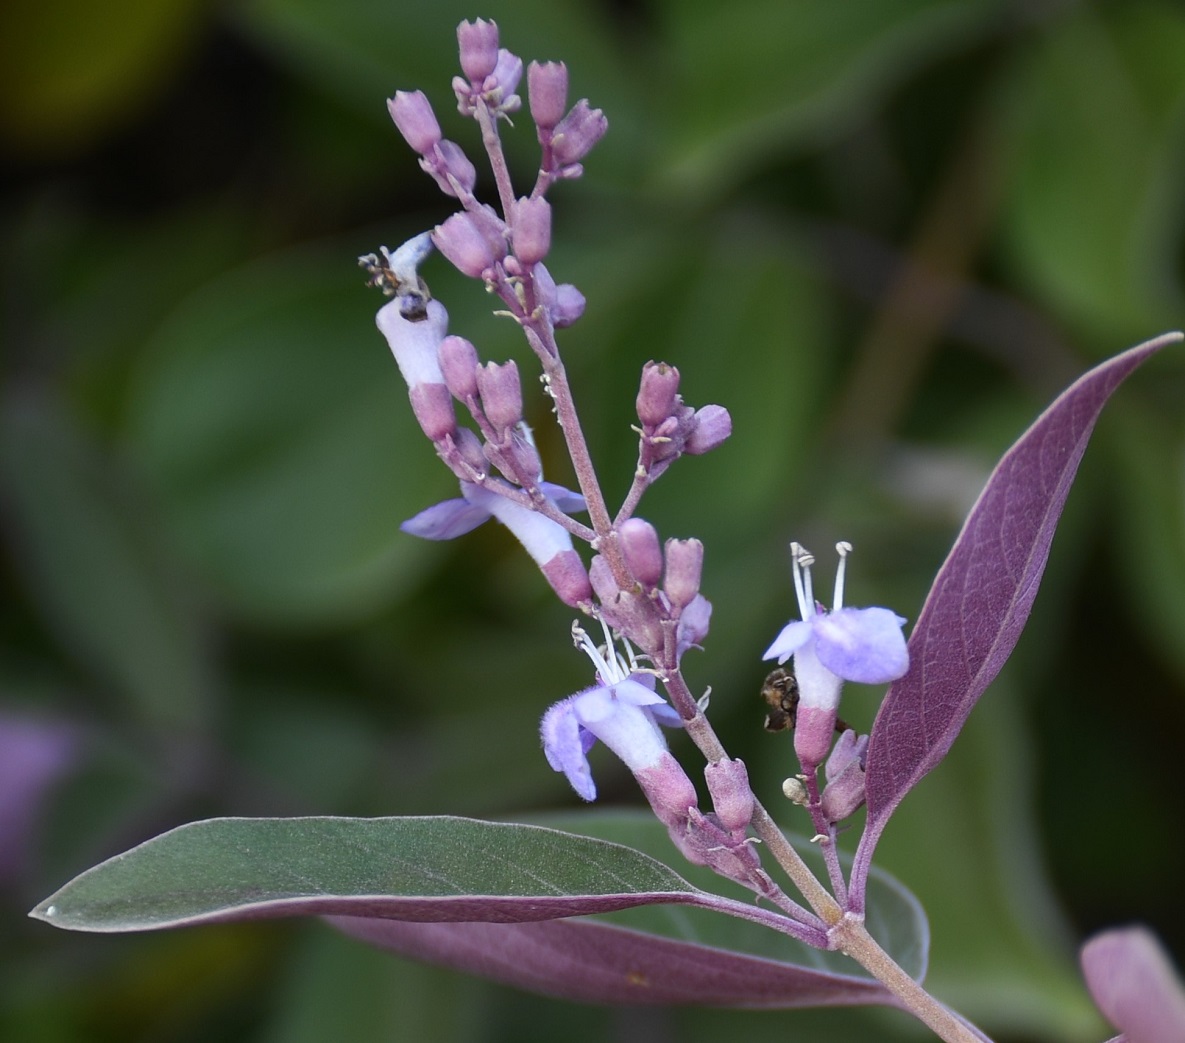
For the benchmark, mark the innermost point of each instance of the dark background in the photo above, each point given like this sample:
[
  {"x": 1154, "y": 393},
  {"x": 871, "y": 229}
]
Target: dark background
[{"x": 884, "y": 235}]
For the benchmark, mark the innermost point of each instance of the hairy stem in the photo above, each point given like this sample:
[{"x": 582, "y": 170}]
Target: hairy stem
[
  {"x": 493, "y": 146},
  {"x": 851, "y": 937}
]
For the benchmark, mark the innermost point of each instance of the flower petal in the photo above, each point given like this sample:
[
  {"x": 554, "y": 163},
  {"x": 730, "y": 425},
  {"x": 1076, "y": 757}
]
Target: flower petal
[
  {"x": 565, "y": 499},
  {"x": 792, "y": 637},
  {"x": 542, "y": 538},
  {"x": 565, "y": 747},
  {"x": 446, "y": 520},
  {"x": 860, "y": 644}
]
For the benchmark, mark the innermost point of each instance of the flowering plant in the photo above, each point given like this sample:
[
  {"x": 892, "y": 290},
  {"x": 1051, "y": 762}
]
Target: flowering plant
[{"x": 500, "y": 898}]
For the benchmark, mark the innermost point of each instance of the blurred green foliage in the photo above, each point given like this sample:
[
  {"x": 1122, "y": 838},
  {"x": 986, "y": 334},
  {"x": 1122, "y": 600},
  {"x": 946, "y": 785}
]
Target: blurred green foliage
[{"x": 882, "y": 234}]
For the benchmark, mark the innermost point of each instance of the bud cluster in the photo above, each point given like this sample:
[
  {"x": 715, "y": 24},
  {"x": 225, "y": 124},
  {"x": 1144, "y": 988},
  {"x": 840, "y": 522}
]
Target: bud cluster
[
  {"x": 658, "y": 607},
  {"x": 505, "y": 250},
  {"x": 668, "y": 427}
]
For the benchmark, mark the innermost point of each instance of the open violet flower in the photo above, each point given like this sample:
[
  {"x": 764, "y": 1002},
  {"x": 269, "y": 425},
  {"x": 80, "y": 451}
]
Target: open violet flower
[
  {"x": 622, "y": 710},
  {"x": 830, "y": 647},
  {"x": 548, "y": 542}
]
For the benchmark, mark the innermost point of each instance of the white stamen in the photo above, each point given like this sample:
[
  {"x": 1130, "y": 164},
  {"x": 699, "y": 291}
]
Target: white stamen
[
  {"x": 611, "y": 666},
  {"x": 802, "y": 561},
  {"x": 843, "y": 548}
]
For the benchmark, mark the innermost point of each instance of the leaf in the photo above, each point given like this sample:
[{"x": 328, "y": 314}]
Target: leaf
[
  {"x": 808, "y": 69},
  {"x": 374, "y": 875},
  {"x": 982, "y": 596},
  {"x": 894, "y": 916},
  {"x": 1094, "y": 218},
  {"x": 430, "y": 868},
  {"x": 592, "y": 962},
  {"x": 92, "y": 566},
  {"x": 271, "y": 424}
]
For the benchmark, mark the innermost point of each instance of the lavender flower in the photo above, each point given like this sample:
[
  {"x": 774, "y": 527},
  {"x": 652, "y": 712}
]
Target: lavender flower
[
  {"x": 622, "y": 710},
  {"x": 548, "y": 542},
  {"x": 830, "y": 647}
]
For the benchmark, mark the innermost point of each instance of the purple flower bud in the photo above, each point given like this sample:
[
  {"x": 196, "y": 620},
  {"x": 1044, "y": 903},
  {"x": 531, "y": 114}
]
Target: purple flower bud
[
  {"x": 568, "y": 578},
  {"x": 473, "y": 241},
  {"x": 669, "y": 791},
  {"x": 530, "y": 229},
  {"x": 658, "y": 393},
  {"x": 634, "y": 615},
  {"x": 705, "y": 842},
  {"x": 685, "y": 564},
  {"x": 845, "y": 790},
  {"x": 413, "y": 116},
  {"x": 732, "y": 797},
  {"x": 458, "y": 364},
  {"x": 478, "y": 44},
  {"x": 564, "y": 303},
  {"x": 812, "y": 734},
  {"x": 639, "y": 544},
  {"x": 601, "y": 577},
  {"x": 506, "y": 76},
  {"x": 1133, "y": 981},
  {"x": 693, "y": 624},
  {"x": 577, "y": 133},
  {"x": 501, "y": 394},
  {"x": 448, "y": 163},
  {"x": 470, "y": 449},
  {"x": 433, "y": 407},
  {"x": 547, "y": 89},
  {"x": 520, "y": 457},
  {"x": 712, "y": 426},
  {"x": 569, "y": 305}
]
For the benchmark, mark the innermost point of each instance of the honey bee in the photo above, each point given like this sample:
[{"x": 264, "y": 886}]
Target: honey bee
[{"x": 780, "y": 692}]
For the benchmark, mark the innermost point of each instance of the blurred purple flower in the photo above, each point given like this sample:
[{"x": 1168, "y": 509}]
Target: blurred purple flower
[
  {"x": 34, "y": 755},
  {"x": 1135, "y": 986}
]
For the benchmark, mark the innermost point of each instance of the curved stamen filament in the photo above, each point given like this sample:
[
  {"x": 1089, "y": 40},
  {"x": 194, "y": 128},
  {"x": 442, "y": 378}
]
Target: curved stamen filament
[
  {"x": 802, "y": 560},
  {"x": 843, "y": 548}
]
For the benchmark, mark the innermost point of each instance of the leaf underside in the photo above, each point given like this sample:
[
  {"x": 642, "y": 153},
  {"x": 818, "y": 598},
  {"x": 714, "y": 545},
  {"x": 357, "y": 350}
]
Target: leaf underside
[{"x": 982, "y": 595}]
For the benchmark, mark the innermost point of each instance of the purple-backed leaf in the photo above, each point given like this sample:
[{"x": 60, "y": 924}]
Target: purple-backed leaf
[
  {"x": 592, "y": 962},
  {"x": 982, "y": 595},
  {"x": 664, "y": 953}
]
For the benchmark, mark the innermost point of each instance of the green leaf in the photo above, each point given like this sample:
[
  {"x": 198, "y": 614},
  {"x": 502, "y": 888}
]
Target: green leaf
[
  {"x": 434, "y": 868},
  {"x": 273, "y": 424},
  {"x": 107, "y": 591},
  {"x": 754, "y": 77},
  {"x": 1094, "y": 212}
]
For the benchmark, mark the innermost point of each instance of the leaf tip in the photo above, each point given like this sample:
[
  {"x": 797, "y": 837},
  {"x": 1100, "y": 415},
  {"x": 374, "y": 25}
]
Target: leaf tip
[{"x": 45, "y": 911}]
